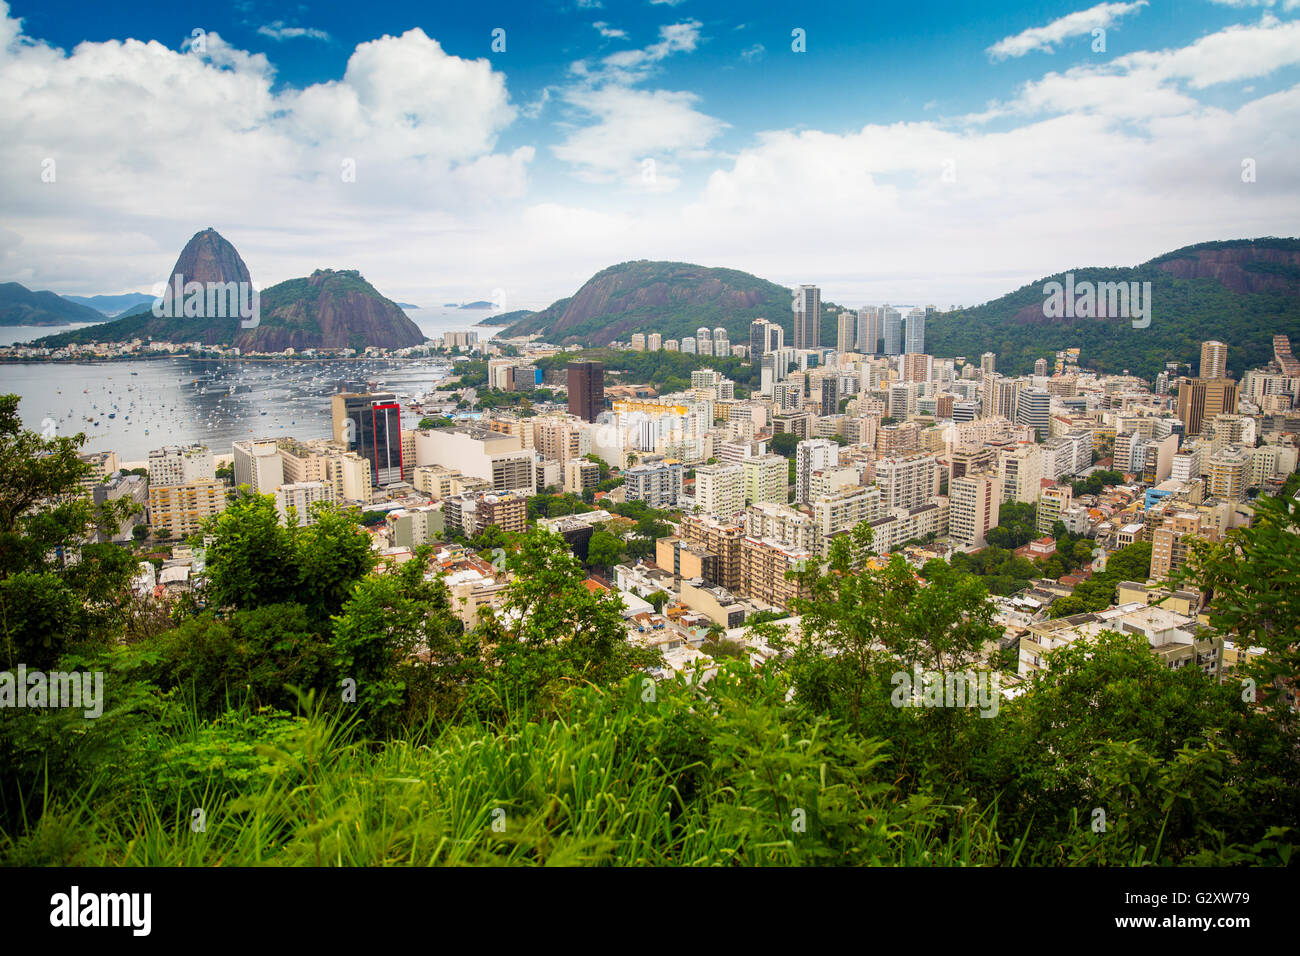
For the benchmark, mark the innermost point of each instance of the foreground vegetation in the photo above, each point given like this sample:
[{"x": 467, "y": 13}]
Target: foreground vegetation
[{"x": 310, "y": 711}]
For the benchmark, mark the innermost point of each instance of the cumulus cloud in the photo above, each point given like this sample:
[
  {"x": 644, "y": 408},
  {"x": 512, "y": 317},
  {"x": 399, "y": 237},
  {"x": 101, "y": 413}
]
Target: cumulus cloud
[
  {"x": 1048, "y": 38},
  {"x": 1103, "y": 164},
  {"x": 147, "y": 141},
  {"x": 632, "y": 136}
]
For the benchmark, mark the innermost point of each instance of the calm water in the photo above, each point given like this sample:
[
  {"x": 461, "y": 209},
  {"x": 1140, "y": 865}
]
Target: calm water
[{"x": 177, "y": 400}]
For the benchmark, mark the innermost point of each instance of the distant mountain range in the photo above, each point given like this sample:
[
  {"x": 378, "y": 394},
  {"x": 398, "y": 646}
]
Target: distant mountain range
[
  {"x": 19, "y": 305},
  {"x": 112, "y": 305},
  {"x": 1240, "y": 291},
  {"x": 328, "y": 309}
]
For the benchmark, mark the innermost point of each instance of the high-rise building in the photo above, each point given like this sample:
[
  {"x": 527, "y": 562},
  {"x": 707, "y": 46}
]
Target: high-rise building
[
  {"x": 914, "y": 340},
  {"x": 812, "y": 455},
  {"x": 720, "y": 489},
  {"x": 654, "y": 342},
  {"x": 703, "y": 341},
  {"x": 869, "y": 330},
  {"x": 758, "y": 339},
  {"x": 721, "y": 540},
  {"x": 1040, "y": 368},
  {"x": 586, "y": 390},
  {"x": 893, "y": 331},
  {"x": 1214, "y": 360},
  {"x": 847, "y": 327},
  {"x": 767, "y": 478},
  {"x": 1033, "y": 408},
  {"x": 1053, "y": 503},
  {"x": 1284, "y": 357},
  {"x": 300, "y": 496},
  {"x": 721, "y": 342},
  {"x": 973, "y": 503},
  {"x": 917, "y": 367},
  {"x": 1021, "y": 471},
  {"x": 688, "y": 345},
  {"x": 1229, "y": 473},
  {"x": 988, "y": 363},
  {"x": 807, "y": 317},
  {"x": 1200, "y": 399},
  {"x": 257, "y": 464},
  {"x": 177, "y": 465},
  {"x": 907, "y": 481},
  {"x": 370, "y": 424},
  {"x": 764, "y": 566}
]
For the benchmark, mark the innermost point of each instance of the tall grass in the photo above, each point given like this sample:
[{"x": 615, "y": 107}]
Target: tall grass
[{"x": 682, "y": 780}]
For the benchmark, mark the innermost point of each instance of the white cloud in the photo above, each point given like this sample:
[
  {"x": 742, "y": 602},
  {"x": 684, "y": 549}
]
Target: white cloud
[
  {"x": 633, "y": 126},
  {"x": 755, "y": 52},
  {"x": 277, "y": 30},
  {"x": 1047, "y": 38},
  {"x": 151, "y": 142},
  {"x": 609, "y": 32},
  {"x": 629, "y": 136},
  {"x": 1107, "y": 165},
  {"x": 1148, "y": 84},
  {"x": 1240, "y": 4}
]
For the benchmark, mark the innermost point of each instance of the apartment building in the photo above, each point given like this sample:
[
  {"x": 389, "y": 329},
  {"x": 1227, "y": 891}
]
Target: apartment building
[
  {"x": 1021, "y": 472},
  {"x": 720, "y": 489},
  {"x": 908, "y": 481},
  {"x": 781, "y": 523},
  {"x": 722, "y": 540},
  {"x": 300, "y": 496},
  {"x": 764, "y": 564},
  {"x": 767, "y": 479},
  {"x": 812, "y": 455},
  {"x": 973, "y": 501}
]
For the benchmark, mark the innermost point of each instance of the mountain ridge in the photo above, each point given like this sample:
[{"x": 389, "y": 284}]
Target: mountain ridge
[{"x": 328, "y": 309}]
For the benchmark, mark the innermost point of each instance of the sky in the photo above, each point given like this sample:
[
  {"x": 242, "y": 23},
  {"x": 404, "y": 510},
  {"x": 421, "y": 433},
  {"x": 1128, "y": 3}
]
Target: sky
[{"x": 922, "y": 152}]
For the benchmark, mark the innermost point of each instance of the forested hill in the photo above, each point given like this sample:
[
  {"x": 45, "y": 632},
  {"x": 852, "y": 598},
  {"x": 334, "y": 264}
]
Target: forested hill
[
  {"x": 1242, "y": 292},
  {"x": 671, "y": 298}
]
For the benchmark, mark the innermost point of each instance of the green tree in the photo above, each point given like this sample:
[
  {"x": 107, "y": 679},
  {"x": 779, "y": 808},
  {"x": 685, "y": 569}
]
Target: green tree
[
  {"x": 1252, "y": 578},
  {"x": 604, "y": 549},
  {"x": 550, "y": 630},
  {"x": 252, "y": 559}
]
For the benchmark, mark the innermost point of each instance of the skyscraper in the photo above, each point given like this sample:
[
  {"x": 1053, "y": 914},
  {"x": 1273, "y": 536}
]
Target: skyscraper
[
  {"x": 848, "y": 333},
  {"x": 586, "y": 389},
  {"x": 370, "y": 424},
  {"x": 914, "y": 342},
  {"x": 893, "y": 328},
  {"x": 988, "y": 363},
  {"x": 1214, "y": 360},
  {"x": 812, "y": 455},
  {"x": 807, "y": 317},
  {"x": 868, "y": 330},
  {"x": 758, "y": 339},
  {"x": 1033, "y": 408},
  {"x": 1203, "y": 398}
]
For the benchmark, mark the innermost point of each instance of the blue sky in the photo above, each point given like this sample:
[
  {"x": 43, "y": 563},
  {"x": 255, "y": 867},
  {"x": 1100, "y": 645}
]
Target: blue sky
[{"x": 940, "y": 151}]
